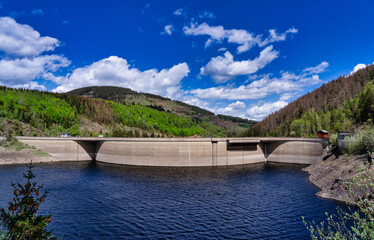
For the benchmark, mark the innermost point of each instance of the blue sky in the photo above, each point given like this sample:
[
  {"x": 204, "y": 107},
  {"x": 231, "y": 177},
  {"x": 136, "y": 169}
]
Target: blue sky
[{"x": 240, "y": 58}]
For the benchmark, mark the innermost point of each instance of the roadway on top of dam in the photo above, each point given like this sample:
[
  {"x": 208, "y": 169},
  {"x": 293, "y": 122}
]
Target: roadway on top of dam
[{"x": 186, "y": 139}]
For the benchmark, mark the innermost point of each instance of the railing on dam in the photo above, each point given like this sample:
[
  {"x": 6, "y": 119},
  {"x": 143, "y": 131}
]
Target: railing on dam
[{"x": 180, "y": 151}]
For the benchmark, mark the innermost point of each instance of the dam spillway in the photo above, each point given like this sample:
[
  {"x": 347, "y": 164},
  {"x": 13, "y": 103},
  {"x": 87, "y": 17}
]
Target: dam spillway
[{"x": 180, "y": 152}]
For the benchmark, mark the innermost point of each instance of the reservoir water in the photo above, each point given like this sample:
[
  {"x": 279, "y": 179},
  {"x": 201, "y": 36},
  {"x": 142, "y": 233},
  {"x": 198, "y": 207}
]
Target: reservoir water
[{"x": 99, "y": 201}]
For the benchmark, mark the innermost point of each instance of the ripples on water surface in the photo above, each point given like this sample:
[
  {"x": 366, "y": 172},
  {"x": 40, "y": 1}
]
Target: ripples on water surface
[{"x": 99, "y": 201}]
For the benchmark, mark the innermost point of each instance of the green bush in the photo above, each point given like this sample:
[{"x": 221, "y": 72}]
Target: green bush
[
  {"x": 95, "y": 134},
  {"x": 74, "y": 130},
  {"x": 362, "y": 141},
  {"x": 334, "y": 139}
]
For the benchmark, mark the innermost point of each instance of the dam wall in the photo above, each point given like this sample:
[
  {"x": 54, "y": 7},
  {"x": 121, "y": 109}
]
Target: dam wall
[
  {"x": 177, "y": 153},
  {"x": 294, "y": 152},
  {"x": 180, "y": 152},
  {"x": 64, "y": 150}
]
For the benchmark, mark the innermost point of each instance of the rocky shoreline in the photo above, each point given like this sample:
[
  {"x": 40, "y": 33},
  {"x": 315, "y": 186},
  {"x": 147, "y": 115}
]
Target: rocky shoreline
[{"x": 330, "y": 173}]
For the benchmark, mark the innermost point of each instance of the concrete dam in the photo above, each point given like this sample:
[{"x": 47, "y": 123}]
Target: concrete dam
[{"x": 180, "y": 152}]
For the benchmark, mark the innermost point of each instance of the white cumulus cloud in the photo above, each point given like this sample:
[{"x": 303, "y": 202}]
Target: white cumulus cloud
[
  {"x": 242, "y": 37},
  {"x": 206, "y": 14},
  {"x": 24, "y": 60},
  {"x": 260, "y": 88},
  {"x": 275, "y": 37},
  {"x": 31, "y": 85},
  {"x": 115, "y": 71},
  {"x": 317, "y": 69},
  {"x": 287, "y": 95},
  {"x": 178, "y": 12},
  {"x": 358, "y": 67},
  {"x": 168, "y": 29},
  {"x": 222, "y": 69},
  {"x": 18, "y": 40},
  {"x": 22, "y": 70},
  {"x": 236, "y": 106},
  {"x": 196, "y": 102},
  {"x": 233, "y": 109},
  {"x": 259, "y": 112}
]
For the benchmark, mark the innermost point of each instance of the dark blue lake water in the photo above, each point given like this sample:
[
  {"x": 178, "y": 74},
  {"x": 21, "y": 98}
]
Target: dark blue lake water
[{"x": 99, "y": 201}]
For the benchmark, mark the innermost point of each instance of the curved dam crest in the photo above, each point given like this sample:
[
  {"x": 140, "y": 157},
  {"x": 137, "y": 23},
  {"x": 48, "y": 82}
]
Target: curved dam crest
[{"x": 180, "y": 152}]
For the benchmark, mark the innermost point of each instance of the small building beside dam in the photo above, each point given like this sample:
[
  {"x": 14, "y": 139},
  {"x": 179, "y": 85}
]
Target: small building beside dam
[{"x": 180, "y": 152}]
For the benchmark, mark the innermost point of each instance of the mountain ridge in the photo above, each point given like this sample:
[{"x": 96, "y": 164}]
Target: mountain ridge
[
  {"x": 42, "y": 113},
  {"x": 235, "y": 125},
  {"x": 335, "y": 106}
]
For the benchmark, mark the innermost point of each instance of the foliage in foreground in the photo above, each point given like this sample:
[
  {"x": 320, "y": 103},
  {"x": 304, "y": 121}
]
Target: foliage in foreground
[
  {"x": 21, "y": 220},
  {"x": 352, "y": 224},
  {"x": 362, "y": 141}
]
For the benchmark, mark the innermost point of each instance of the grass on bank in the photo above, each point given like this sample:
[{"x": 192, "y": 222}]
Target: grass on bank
[
  {"x": 362, "y": 141},
  {"x": 14, "y": 145}
]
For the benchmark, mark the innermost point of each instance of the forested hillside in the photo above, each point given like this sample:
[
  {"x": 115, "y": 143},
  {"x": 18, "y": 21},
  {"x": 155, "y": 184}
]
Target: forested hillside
[
  {"x": 233, "y": 125},
  {"x": 338, "y": 105},
  {"x": 34, "y": 113}
]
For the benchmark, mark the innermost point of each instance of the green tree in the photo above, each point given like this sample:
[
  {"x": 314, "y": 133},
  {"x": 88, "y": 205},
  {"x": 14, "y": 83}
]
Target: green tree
[
  {"x": 362, "y": 141},
  {"x": 74, "y": 130},
  {"x": 366, "y": 103},
  {"x": 21, "y": 220}
]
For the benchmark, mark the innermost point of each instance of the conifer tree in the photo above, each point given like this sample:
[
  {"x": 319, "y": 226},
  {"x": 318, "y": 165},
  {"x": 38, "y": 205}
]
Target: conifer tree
[{"x": 21, "y": 220}]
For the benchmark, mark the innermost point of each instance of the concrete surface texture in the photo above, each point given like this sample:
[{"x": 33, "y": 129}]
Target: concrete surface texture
[{"x": 180, "y": 152}]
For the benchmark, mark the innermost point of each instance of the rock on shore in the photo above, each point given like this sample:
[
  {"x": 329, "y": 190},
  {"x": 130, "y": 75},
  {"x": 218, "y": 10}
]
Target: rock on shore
[{"x": 331, "y": 174}]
